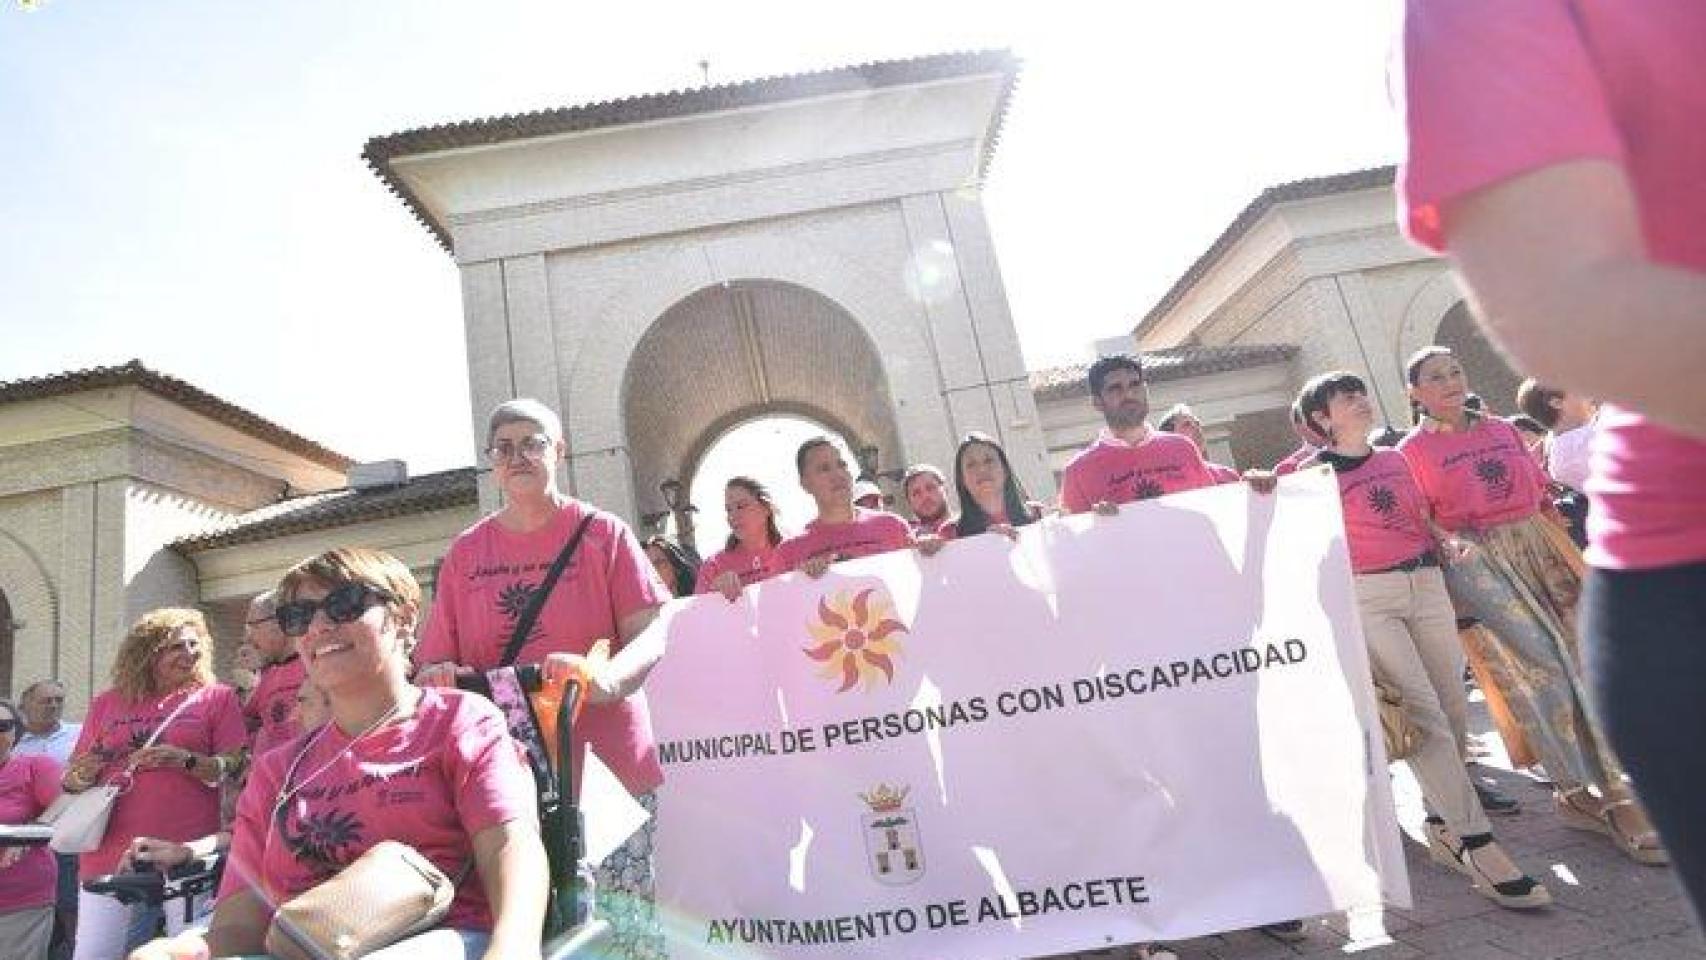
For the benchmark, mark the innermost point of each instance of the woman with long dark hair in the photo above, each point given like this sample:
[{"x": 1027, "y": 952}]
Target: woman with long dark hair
[
  {"x": 672, "y": 565},
  {"x": 1522, "y": 583},
  {"x": 748, "y": 555},
  {"x": 991, "y": 497}
]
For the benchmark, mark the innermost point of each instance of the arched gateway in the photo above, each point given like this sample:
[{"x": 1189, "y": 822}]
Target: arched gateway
[{"x": 664, "y": 267}]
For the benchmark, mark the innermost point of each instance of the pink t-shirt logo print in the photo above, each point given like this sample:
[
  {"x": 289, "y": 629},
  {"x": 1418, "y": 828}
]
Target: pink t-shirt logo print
[
  {"x": 1496, "y": 477},
  {"x": 1147, "y": 489},
  {"x": 1384, "y": 503},
  {"x": 512, "y": 600},
  {"x": 856, "y": 638},
  {"x": 323, "y": 842}
]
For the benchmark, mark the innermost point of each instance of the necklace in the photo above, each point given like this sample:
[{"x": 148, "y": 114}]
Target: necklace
[{"x": 289, "y": 792}]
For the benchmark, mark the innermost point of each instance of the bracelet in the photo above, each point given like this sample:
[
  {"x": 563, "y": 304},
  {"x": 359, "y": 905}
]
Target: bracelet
[{"x": 219, "y": 766}]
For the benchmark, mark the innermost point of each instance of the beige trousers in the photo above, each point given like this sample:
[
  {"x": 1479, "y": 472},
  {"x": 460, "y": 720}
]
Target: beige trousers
[{"x": 1411, "y": 630}]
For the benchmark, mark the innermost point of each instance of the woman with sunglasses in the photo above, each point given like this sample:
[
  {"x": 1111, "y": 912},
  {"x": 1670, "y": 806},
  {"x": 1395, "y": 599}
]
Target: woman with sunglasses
[
  {"x": 27, "y": 873},
  {"x": 991, "y": 497},
  {"x": 749, "y": 555},
  {"x": 607, "y": 591},
  {"x": 162, "y": 687},
  {"x": 431, "y": 768},
  {"x": 1522, "y": 583}
]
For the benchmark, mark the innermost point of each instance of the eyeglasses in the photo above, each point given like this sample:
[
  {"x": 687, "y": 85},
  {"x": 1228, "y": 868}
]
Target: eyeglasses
[
  {"x": 344, "y": 604},
  {"x": 7, "y": 726},
  {"x": 189, "y": 645},
  {"x": 529, "y": 448}
]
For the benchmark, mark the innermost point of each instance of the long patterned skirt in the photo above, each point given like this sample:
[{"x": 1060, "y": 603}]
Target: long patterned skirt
[
  {"x": 1523, "y": 585},
  {"x": 626, "y": 897}
]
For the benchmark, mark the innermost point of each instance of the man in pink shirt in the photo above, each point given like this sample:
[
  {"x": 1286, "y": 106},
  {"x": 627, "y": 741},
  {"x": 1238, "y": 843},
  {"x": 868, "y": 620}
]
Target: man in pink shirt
[
  {"x": 1556, "y": 151},
  {"x": 926, "y": 490},
  {"x": 841, "y": 530},
  {"x": 1182, "y": 420},
  {"x": 270, "y": 711},
  {"x": 1128, "y": 461}
]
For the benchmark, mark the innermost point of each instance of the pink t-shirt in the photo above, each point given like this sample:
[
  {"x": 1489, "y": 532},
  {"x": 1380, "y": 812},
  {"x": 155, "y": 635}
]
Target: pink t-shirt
[
  {"x": 1294, "y": 459},
  {"x": 1475, "y": 478},
  {"x": 161, "y": 802},
  {"x": 869, "y": 532},
  {"x": 1495, "y": 90},
  {"x": 27, "y": 785},
  {"x": 1385, "y": 513},
  {"x": 270, "y": 712},
  {"x": 432, "y": 781},
  {"x": 1222, "y": 473},
  {"x": 485, "y": 582},
  {"x": 751, "y": 565},
  {"x": 1111, "y": 469},
  {"x": 933, "y": 527}
]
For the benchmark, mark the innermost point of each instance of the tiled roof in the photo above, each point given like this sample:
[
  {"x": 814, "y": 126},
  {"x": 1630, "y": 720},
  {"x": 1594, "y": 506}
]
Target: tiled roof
[
  {"x": 1267, "y": 200},
  {"x": 337, "y": 508},
  {"x": 1173, "y": 363},
  {"x": 184, "y": 394},
  {"x": 380, "y": 151}
]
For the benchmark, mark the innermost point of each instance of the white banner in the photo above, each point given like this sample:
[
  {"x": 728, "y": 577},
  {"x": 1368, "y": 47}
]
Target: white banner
[{"x": 1140, "y": 728}]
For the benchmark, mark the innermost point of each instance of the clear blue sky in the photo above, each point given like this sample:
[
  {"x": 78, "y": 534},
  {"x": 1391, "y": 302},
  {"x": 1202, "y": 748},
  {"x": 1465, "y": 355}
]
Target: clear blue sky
[{"x": 182, "y": 180}]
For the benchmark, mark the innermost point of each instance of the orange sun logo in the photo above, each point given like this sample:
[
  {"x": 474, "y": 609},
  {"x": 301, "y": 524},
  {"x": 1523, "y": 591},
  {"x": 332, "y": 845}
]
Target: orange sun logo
[{"x": 856, "y": 639}]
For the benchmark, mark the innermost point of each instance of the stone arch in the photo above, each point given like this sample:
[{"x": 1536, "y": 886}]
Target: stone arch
[
  {"x": 677, "y": 268},
  {"x": 731, "y": 352},
  {"x": 32, "y": 614},
  {"x": 694, "y": 458},
  {"x": 1488, "y": 372},
  {"x": 1424, "y": 313}
]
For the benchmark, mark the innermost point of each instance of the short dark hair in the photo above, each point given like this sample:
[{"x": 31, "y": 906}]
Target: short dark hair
[
  {"x": 1320, "y": 391},
  {"x": 1536, "y": 399},
  {"x": 1105, "y": 365},
  {"x": 806, "y": 448},
  {"x": 1526, "y": 424}
]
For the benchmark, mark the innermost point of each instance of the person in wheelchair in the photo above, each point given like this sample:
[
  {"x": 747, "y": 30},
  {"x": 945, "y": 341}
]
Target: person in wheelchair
[{"x": 433, "y": 768}]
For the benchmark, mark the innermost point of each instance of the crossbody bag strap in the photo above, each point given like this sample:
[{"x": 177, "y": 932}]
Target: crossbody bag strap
[
  {"x": 536, "y": 602},
  {"x": 182, "y": 705}
]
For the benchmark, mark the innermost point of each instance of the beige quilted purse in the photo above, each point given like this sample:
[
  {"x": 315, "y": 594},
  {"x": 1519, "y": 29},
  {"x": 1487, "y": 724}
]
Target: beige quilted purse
[{"x": 388, "y": 893}]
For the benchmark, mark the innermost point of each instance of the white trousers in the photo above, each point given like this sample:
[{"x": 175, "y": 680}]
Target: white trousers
[
  {"x": 1411, "y": 630},
  {"x": 106, "y": 929}
]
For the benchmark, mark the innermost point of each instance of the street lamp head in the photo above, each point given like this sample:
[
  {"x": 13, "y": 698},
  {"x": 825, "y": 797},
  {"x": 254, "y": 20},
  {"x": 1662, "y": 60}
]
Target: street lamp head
[
  {"x": 867, "y": 456},
  {"x": 671, "y": 490}
]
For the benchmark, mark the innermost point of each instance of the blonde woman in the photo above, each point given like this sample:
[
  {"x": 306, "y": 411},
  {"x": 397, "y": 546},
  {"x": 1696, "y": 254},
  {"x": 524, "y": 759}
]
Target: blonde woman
[{"x": 162, "y": 687}]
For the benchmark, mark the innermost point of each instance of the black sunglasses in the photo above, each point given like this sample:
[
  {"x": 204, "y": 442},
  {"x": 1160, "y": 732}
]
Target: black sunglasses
[
  {"x": 346, "y": 603},
  {"x": 7, "y": 726}
]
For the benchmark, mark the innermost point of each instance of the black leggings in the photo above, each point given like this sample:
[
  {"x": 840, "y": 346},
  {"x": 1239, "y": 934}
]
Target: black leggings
[{"x": 1645, "y": 638}]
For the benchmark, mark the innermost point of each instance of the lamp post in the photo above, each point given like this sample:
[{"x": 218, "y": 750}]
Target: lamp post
[
  {"x": 675, "y": 498},
  {"x": 867, "y": 457}
]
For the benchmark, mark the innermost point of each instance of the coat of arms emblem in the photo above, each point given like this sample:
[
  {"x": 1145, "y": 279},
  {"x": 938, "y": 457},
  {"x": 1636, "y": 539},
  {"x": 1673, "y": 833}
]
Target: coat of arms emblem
[{"x": 895, "y": 852}]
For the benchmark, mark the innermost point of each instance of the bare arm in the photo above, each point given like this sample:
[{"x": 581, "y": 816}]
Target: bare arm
[
  {"x": 623, "y": 674},
  {"x": 239, "y": 926},
  {"x": 1558, "y": 269},
  {"x": 513, "y": 870}
]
